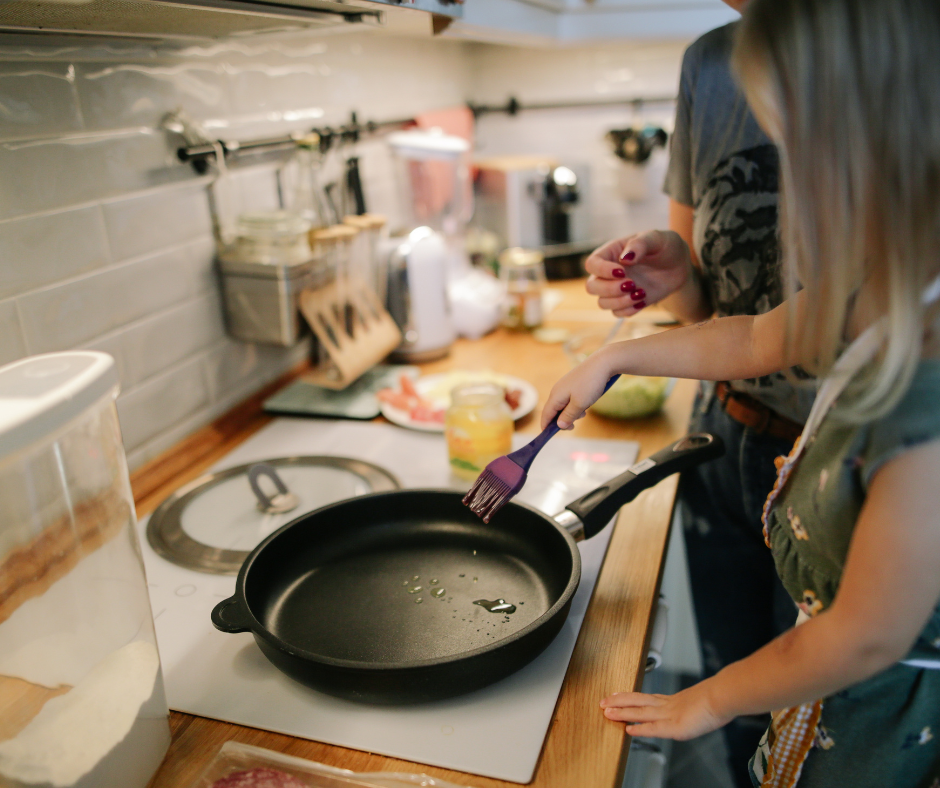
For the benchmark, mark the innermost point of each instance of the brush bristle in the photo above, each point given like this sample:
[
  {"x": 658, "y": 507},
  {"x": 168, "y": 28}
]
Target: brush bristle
[{"x": 498, "y": 483}]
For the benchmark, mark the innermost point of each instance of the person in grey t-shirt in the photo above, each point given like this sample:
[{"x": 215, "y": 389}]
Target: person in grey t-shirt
[{"x": 720, "y": 256}]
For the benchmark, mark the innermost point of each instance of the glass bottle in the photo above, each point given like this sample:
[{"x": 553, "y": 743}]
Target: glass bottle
[
  {"x": 478, "y": 427},
  {"x": 523, "y": 272}
]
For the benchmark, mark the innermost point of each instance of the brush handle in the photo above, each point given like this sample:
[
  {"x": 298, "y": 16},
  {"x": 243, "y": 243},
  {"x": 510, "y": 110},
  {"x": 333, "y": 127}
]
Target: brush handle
[{"x": 523, "y": 457}]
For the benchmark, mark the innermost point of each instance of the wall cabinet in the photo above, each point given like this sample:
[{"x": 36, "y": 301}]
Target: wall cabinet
[{"x": 542, "y": 22}]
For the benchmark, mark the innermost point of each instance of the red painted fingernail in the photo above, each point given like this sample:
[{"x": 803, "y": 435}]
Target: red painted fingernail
[
  {"x": 628, "y": 256},
  {"x": 639, "y": 305},
  {"x": 628, "y": 286},
  {"x": 619, "y": 273},
  {"x": 638, "y": 295}
]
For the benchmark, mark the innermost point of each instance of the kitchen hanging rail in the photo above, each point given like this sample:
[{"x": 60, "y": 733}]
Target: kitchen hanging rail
[
  {"x": 513, "y": 106},
  {"x": 198, "y": 155}
]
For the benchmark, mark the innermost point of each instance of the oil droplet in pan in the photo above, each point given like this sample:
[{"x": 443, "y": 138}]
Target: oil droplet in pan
[
  {"x": 418, "y": 601},
  {"x": 415, "y": 589},
  {"x": 438, "y": 592},
  {"x": 434, "y": 581},
  {"x": 496, "y": 605}
]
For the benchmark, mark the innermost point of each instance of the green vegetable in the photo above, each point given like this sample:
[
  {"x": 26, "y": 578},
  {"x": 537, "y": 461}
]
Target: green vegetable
[{"x": 632, "y": 397}]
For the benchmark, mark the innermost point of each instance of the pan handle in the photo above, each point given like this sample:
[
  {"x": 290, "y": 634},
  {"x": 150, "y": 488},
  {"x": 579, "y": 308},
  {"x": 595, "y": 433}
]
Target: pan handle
[
  {"x": 597, "y": 507},
  {"x": 230, "y": 616}
]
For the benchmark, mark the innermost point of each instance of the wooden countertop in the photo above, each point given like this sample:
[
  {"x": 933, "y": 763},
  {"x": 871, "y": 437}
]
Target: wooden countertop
[{"x": 582, "y": 749}]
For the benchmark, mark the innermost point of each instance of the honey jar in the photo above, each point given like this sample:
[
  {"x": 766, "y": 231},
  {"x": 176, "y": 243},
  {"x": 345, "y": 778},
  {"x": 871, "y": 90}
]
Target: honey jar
[
  {"x": 523, "y": 272},
  {"x": 478, "y": 427}
]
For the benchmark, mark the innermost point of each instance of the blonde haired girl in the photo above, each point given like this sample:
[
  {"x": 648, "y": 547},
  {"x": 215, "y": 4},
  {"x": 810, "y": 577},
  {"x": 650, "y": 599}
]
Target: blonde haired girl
[{"x": 848, "y": 90}]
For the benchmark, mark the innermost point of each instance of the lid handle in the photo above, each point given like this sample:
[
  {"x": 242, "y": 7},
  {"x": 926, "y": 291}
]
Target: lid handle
[{"x": 283, "y": 501}]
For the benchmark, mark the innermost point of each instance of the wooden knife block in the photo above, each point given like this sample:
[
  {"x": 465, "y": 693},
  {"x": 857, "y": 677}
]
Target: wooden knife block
[{"x": 331, "y": 312}]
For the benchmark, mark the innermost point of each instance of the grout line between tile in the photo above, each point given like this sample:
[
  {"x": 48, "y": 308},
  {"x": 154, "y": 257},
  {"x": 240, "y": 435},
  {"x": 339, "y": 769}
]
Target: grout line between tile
[
  {"x": 120, "y": 264},
  {"x": 181, "y": 185},
  {"x": 115, "y": 333},
  {"x": 19, "y": 324}
]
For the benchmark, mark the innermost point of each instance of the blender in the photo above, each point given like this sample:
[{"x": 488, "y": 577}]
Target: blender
[{"x": 432, "y": 175}]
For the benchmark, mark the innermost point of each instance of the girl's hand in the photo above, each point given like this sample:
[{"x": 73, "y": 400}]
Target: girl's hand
[
  {"x": 629, "y": 273},
  {"x": 685, "y": 715},
  {"x": 571, "y": 396}
]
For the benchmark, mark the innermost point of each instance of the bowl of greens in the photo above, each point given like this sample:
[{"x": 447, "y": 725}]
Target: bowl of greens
[{"x": 631, "y": 396}]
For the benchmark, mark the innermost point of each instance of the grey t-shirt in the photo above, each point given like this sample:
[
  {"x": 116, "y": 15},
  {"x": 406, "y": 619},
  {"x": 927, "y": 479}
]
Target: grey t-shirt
[{"x": 725, "y": 167}]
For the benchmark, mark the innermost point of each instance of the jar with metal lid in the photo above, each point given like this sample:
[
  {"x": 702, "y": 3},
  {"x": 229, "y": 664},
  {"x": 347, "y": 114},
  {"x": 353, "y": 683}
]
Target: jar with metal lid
[
  {"x": 263, "y": 274},
  {"x": 523, "y": 272},
  {"x": 478, "y": 427}
]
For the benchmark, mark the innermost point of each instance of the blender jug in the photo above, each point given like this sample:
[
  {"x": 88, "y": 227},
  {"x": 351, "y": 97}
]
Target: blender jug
[
  {"x": 82, "y": 703},
  {"x": 433, "y": 186}
]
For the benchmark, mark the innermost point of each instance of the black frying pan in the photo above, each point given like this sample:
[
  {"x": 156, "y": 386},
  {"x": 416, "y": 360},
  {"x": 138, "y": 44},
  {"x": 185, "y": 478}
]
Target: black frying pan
[{"x": 332, "y": 598}]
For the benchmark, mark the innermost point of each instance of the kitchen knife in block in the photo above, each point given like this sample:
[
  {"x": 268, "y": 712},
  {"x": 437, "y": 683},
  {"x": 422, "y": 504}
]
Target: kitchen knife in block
[{"x": 373, "y": 336}]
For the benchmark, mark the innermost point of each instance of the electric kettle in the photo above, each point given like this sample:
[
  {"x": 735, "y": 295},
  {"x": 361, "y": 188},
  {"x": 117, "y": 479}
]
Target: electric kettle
[{"x": 417, "y": 295}]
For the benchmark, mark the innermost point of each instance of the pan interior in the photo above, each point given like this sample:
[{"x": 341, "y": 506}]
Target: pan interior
[{"x": 404, "y": 589}]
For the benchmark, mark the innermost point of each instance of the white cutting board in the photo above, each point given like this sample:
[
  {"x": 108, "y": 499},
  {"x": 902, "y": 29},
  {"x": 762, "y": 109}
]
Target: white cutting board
[{"x": 496, "y": 732}]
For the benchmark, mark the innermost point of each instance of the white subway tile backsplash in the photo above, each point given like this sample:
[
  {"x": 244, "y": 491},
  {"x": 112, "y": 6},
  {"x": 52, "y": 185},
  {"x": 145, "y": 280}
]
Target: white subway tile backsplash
[
  {"x": 113, "y": 346},
  {"x": 118, "y": 95},
  {"x": 232, "y": 363},
  {"x": 157, "y": 343},
  {"x": 45, "y": 249},
  {"x": 37, "y": 99},
  {"x": 168, "y": 217},
  {"x": 77, "y": 311},
  {"x": 12, "y": 346},
  {"x": 162, "y": 402},
  {"x": 45, "y": 175}
]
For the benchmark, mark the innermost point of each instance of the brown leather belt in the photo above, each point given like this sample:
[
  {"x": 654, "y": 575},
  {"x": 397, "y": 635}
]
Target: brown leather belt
[{"x": 746, "y": 410}]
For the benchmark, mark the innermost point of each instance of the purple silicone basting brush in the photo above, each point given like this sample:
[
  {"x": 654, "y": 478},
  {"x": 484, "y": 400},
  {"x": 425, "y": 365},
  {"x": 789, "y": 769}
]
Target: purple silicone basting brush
[{"x": 504, "y": 476}]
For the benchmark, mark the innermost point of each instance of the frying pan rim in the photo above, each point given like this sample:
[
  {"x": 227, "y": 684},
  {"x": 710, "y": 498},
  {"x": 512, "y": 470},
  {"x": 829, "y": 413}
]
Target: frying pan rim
[{"x": 259, "y": 630}]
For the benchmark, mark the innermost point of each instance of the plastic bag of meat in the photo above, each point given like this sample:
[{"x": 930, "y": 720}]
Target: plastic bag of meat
[
  {"x": 260, "y": 778},
  {"x": 239, "y": 765}
]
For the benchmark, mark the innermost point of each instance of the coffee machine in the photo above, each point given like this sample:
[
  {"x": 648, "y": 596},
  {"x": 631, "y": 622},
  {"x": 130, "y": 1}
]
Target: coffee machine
[{"x": 535, "y": 202}]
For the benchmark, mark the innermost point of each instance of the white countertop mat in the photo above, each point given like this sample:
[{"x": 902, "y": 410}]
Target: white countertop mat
[{"x": 496, "y": 732}]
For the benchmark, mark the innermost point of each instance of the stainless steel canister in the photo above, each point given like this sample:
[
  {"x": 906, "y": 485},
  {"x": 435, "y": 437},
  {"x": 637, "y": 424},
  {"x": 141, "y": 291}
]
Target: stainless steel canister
[{"x": 263, "y": 274}]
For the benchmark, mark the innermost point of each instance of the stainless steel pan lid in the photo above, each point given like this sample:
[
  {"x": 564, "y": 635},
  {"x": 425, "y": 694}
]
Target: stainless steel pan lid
[{"x": 212, "y": 523}]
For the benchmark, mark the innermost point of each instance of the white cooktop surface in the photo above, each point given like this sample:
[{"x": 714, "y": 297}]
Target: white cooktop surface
[{"x": 496, "y": 732}]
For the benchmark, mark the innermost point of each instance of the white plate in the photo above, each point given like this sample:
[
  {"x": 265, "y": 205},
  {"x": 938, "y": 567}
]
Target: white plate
[{"x": 435, "y": 388}]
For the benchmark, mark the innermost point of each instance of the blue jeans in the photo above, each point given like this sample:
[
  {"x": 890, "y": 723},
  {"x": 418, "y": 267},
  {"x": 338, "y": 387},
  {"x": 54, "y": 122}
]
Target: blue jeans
[{"x": 739, "y": 601}]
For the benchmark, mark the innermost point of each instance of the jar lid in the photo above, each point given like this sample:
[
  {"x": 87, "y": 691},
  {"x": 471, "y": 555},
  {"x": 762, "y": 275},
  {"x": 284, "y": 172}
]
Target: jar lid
[
  {"x": 333, "y": 234},
  {"x": 41, "y": 394},
  {"x": 271, "y": 224},
  {"x": 521, "y": 258}
]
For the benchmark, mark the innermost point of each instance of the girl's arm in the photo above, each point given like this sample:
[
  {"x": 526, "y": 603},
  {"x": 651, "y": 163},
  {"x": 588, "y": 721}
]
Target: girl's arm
[
  {"x": 889, "y": 588},
  {"x": 727, "y": 348}
]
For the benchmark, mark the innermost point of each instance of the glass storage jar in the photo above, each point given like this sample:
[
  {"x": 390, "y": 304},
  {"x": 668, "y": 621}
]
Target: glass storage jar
[
  {"x": 478, "y": 427},
  {"x": 272, "y": 237},
  {"x": 82, "y": 702},
  {"x": 523, "y": 272},
  {"x": 373, "y": 231}
]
